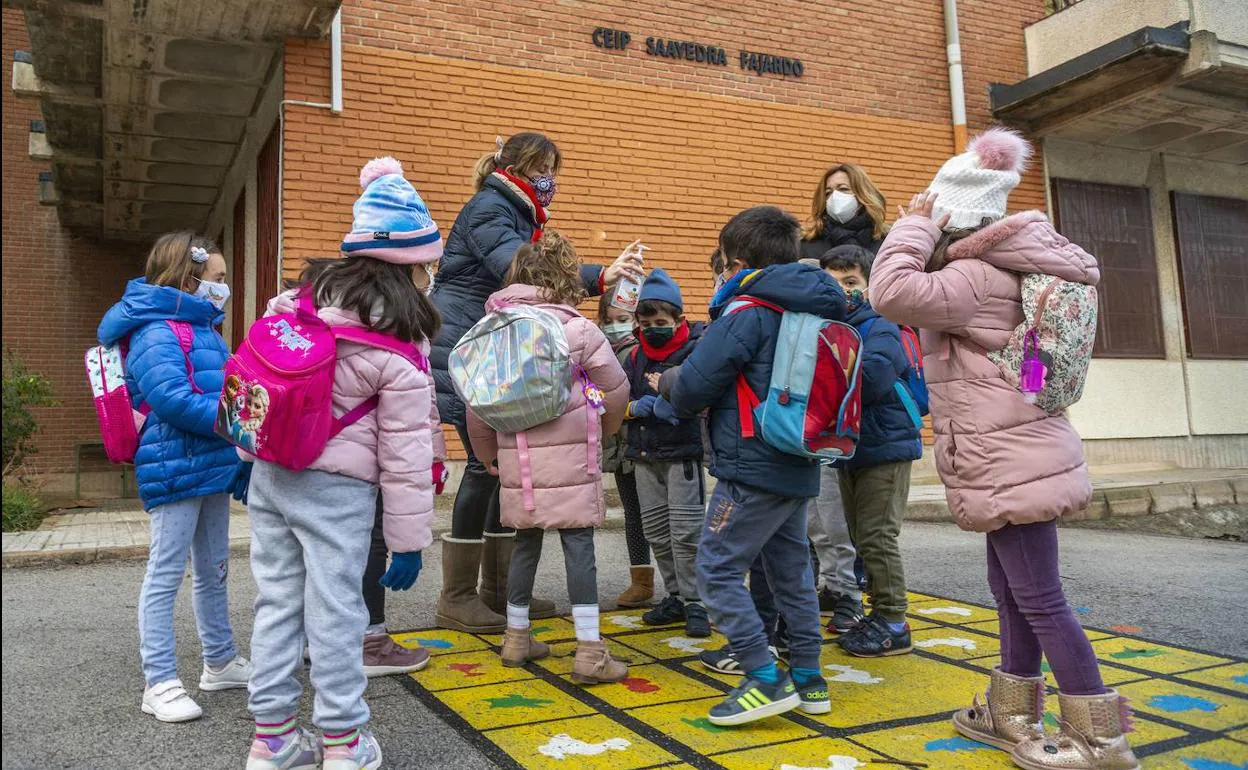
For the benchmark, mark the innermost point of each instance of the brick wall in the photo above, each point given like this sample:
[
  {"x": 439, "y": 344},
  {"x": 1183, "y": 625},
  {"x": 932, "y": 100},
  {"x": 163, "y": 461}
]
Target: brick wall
[{"x": 56, "y": 287}]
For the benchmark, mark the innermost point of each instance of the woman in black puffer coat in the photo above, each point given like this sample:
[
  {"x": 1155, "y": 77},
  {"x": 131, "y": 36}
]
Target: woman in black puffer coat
[
  {"x": 515, "y": 185},
  {"x": 846, "y": 208}
]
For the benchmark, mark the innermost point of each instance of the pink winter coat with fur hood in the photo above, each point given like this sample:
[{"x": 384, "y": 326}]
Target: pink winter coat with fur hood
[
  {"x": 566, "y": 472},
  {"x": 1002, "y": 461},
  {"x": 395, "y": 445}
]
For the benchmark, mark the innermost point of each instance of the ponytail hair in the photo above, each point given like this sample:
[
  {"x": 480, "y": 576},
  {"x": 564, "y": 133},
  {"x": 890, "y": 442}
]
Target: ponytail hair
[{"x": 527, "y": 152}]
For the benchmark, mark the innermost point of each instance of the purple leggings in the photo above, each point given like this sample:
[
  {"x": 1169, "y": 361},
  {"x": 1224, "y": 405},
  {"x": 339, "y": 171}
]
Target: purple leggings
[{"x": 1035, "y": 618}]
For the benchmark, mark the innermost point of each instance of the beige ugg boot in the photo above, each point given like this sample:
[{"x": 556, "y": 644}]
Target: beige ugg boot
[
  {"x": 495, "y": 564},
  {"x": 1012, "y": 714},
  {"x": 594, "y": 664},
  {"x": 640, "y": 591},
  {"x": 1093, "y": 737},
  {"x": 519, "y": 647},
  {"x": 459, "y": 607}
]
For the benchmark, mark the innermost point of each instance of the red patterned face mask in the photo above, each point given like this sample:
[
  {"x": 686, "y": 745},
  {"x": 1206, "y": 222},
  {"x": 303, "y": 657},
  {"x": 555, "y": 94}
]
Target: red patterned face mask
[{"x": 544, "y": 188}]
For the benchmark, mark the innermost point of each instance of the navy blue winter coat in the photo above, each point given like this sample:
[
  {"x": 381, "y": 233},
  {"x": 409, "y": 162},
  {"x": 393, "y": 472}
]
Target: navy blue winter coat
[
  {"x": 179, "y": 456},
  {"x": 649, "y": 438},
  {"x": 745, "y": 341},
  {"x": 888, "y": 434},
  {"x": 494, "y": 223}
]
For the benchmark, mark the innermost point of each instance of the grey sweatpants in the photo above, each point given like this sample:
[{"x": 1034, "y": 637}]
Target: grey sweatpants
[
  {"x": 578, "y": 562},
  {"x": 309, "y": 543},
  {"x": 829, "y": 533},
  {"x": 673, "y": 505}
]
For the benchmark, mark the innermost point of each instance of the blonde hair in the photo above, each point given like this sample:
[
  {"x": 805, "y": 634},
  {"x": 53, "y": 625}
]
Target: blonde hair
[
  {"x": 169, "y": 262},
  {"x": 528, "y": 152},
  {"x": 864, "y": 190},
  {"x": 551, "y": 265}
]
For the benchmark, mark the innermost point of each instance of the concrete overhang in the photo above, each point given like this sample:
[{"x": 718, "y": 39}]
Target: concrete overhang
[{"x": 146, "y": 102}]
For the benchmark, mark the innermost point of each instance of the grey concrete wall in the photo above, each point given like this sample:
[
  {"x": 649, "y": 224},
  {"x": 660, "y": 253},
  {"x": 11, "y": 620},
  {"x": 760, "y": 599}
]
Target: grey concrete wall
[{"x": 1093, "y": 23}]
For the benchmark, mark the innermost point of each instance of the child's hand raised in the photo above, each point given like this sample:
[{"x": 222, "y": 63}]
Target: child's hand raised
[{"x": 921, "y": 205}]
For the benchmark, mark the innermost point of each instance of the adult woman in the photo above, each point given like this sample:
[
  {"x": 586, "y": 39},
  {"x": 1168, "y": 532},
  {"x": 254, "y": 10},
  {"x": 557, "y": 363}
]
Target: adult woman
[
  {"x": 952, "y": 266},
  {"x": 515, "y": 184},
  {"x": 846, "y": 208}
]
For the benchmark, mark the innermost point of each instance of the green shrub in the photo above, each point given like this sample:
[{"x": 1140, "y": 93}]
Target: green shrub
[
  {"x": 22, "y": 391},
  {"x": 22, "y": 508}
]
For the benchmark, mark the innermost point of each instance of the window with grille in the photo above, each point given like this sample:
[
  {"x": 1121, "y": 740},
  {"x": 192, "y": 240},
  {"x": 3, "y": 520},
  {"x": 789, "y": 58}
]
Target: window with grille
[
  {"x": 1115, "y": 224},
  {"x": 1212, "y": 237}
]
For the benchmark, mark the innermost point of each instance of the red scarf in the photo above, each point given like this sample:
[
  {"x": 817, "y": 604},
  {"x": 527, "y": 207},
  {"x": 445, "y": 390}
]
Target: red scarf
[
  {"x": 661, "y": 354},
  {"x": 527, "y": 189}
]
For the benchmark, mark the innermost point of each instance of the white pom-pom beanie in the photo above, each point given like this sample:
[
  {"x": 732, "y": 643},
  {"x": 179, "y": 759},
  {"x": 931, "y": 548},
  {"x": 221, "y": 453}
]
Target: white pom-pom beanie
[
  {"x": 975, "y": 185},
  {"x": 392, "y": 222}
]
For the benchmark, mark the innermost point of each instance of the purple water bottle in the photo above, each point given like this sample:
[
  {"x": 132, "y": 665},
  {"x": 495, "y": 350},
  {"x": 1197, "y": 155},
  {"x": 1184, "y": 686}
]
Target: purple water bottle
[{"x": 1032, "y": 372}]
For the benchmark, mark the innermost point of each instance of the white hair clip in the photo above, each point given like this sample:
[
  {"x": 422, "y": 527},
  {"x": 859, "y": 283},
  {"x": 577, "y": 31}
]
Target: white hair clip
[
  {"x": 498, "y": 154},
  {"x": 199, "y": 255}
]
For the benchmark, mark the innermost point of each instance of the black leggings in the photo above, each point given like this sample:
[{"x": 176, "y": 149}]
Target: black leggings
[
  {"x": 638, "y": 547},
  {"x": 476, "y": 503},
  {"x": 374, "y": 593}
]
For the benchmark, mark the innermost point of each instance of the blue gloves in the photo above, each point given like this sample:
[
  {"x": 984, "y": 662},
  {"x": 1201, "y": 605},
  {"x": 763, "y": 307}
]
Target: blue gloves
[
  {"x": 662, "y": 410},
  {"x": 404, "y": 567},
  {"x": 240, "y": 481},
  {"x": 642, "y": 407}
]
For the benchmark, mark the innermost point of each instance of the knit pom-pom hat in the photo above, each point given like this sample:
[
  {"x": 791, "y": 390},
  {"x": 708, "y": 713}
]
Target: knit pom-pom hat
[
  {"x": 391, "y": 223},
  {"x": 975, "y": 185}
]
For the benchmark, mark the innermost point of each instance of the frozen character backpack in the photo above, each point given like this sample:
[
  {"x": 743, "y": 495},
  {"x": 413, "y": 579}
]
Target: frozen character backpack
[
  {"x": 277, "y": 403},
  {"x": 121, "y": 422},
  {"x": 513, "y": 368},
  {"x": 1048, "y": 354},
  {"x": 814, "y": 402},
  {"x": 911, "y": 387}
]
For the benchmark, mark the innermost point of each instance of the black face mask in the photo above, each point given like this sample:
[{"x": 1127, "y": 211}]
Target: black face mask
[{"x": 658, "y": 336}]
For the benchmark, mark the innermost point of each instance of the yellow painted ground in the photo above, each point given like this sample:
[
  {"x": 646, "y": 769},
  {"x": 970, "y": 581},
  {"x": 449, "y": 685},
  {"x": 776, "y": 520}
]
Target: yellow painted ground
[{"x": 1191, "y": 709}]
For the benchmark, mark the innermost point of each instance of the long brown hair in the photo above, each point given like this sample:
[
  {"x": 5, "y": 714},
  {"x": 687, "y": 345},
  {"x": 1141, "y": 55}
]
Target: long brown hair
[
  {"x": 382, "y": 294},
  {"x": 169, "y": 262},
  {"x": 551, "y": 265},
  {"x": 528, "y": 152},
  {"x": 864, "y": 190},
  {"x": 312, "y": 269}
]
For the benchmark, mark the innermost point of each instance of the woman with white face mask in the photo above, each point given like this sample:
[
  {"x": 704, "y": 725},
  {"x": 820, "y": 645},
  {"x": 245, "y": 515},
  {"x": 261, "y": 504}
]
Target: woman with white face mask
[{"x": 846, "y": 208}]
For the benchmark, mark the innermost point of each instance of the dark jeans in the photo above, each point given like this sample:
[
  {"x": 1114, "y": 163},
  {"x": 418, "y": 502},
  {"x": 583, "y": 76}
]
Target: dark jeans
[
  {"x": 374, "y": 593},
  {"x": 1035, "y": 618},
  {"x": 476, "y": 502}
]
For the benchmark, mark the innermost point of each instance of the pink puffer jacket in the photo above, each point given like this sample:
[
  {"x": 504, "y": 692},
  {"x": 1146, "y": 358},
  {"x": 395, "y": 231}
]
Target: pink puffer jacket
[
  {"x": 1001, "y": 459},
  {"x": 567, "y": 480},
  {"x": 395, "y": 445}
]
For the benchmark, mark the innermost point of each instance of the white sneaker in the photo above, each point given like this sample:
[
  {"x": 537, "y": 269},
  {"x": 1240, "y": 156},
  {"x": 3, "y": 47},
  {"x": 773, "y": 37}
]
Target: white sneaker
[
  {"x": 232, "y": 676},
  {"x": 168, "y": 702}
]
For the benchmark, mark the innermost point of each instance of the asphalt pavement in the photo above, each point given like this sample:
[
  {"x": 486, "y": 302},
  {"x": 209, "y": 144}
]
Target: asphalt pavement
[{"x": 72, "y": 682}]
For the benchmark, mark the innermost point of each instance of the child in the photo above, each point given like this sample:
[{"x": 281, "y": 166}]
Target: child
[
  {"x": 566, "y": 485},
  {"x": 952, "y": 266},
  {"x": 617, "y": 324},
  {"x": 759, "y": 505},
  {"x": 183, "y": 470},
  {"x": 875, "y": 483},
  {"x": 667, "y": 454},
  {"x": 321, "y": 517}
]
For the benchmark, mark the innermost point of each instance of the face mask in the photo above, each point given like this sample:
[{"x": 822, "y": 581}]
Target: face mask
[
  {"x": 544, "y": 187},
  {"x": 432, "y": 274},
  {"x": 617, "y": 332},
  {"x": 842, "y": 206},
  {"x": 658, "y": 336},
  {"x": 855, "y": 298},
  {"x": 216, "y": 293}
]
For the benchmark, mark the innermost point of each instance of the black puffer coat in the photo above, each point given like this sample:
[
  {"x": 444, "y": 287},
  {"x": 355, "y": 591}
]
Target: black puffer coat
[
  {"x": 494, "y": 223},
  {"x": 859, "y": 230}
]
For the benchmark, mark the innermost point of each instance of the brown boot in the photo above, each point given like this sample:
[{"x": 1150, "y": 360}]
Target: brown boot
[
  {"x": 519, "y": 647},
  {"x": 495, "y": 563},
  {"x": 1093, "y": 737},
  {"x": 459, "y": 607},
  {"x": 1013, "y": 714},
  {"x": 640, "y": 591},
  {"x": 594, "y": 665}
]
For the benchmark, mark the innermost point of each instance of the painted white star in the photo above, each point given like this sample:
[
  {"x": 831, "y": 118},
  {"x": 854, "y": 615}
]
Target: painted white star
[
  {"x": 960, "y": 611},
  {"x": 852, "y": 675},
  {"x": 563, "y": 746},
  {"x": 952, "y": 641}
]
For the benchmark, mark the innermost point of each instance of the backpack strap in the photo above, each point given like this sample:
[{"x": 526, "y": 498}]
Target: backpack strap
[
  {"x": 355, "y": 415},
  {"x": 1042, "y": 301},
  {"x": 409, "y": 350},
  {"x": 747, "y": 399},
  {"x": 186, "y": 336}
]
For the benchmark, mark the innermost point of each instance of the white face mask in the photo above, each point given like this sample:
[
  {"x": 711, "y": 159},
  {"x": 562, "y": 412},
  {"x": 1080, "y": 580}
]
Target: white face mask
[
  {"x": 216, "y": 293},
  {"x": 617, "y": 332},
  {"x": 842, "y": 206}
]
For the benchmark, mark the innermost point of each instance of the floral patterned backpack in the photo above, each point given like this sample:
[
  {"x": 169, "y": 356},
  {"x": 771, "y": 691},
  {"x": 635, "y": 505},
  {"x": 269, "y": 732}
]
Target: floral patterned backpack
[{"x": 1048, "y": 354}]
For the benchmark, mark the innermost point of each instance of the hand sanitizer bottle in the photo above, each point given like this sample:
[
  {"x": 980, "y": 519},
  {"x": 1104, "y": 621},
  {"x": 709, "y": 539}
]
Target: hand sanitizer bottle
[
  {"x": 628, "y": 291},
  {"x": 1032, "y": 371}
]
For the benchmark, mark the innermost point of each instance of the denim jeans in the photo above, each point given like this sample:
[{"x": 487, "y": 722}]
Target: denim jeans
[{"x": 198, "y": 527}]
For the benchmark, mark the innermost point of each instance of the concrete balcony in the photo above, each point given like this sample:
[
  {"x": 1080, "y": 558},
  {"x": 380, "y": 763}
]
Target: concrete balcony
[{"x": 1159, "y": 75}]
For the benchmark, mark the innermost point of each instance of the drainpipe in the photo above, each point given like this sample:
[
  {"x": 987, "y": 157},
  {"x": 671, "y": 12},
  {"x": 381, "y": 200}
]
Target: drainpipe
[
  {"x": 957, "y": 99},
  {"x": 335, "y": 63}
]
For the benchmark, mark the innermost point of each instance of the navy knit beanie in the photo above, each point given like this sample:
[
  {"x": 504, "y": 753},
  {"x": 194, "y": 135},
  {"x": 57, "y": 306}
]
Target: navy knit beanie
[{"x": 660, "y": 286}]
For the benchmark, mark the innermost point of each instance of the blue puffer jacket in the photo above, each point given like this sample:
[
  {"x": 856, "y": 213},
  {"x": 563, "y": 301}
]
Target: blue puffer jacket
[
  {"x": 888, "y": 435},
  {"x": 746, "y": 341},
  {"x": 179, "y": 456},
  {"x": 496, "y": 222}
]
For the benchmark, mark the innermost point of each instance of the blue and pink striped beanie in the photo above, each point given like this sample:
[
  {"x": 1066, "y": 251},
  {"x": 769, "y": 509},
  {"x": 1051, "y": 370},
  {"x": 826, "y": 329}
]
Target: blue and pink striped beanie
[{"x": 391, "y": 223}]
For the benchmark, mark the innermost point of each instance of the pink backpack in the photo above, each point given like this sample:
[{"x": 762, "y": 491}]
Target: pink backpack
[
  {"x": 277, "y": 403},
  {"x": 120, "y": 422}
]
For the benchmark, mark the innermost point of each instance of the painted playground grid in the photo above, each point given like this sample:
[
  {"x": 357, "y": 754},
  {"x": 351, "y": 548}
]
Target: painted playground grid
[{"x": 1191, "y": 708}]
